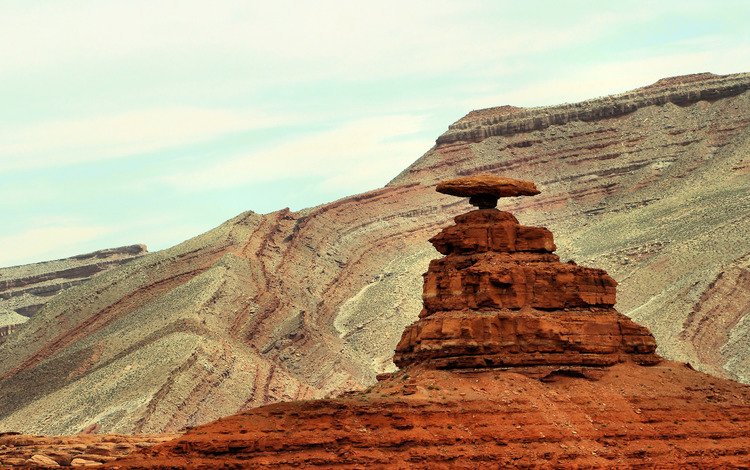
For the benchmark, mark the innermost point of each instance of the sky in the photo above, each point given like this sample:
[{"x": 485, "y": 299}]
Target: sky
[{"x": 154, "y": 121}]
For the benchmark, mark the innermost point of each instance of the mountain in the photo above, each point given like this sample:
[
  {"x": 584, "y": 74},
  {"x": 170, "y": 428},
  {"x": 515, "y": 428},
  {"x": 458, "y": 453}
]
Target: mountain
[
  {"x": 25, "y": 289},
  {"x": 650, "y": 185},
  {"x": 517, "y": 360}
]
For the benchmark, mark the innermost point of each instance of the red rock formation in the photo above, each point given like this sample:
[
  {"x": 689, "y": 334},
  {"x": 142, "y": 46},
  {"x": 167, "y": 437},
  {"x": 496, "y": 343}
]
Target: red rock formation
[
  {"x": 665, "y": 416},
  {"x": 80, "y": 450},
  {"x": 486, "y": 411},
  {"x": 500, "y": 298}
]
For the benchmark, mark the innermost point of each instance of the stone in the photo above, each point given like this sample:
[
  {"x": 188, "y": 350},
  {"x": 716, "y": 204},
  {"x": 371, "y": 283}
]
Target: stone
[
  {"x": 484, "y": 190},
  {"x": 79, "y": 462},
  {"x": 491, "y": 230},
  {"x": 41, "y": 460},
  {"x": 501, "y": 298}
]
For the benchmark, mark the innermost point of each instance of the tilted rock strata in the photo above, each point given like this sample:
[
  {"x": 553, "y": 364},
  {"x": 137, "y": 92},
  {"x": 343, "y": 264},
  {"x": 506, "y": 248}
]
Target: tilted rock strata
[
  {"x": 636, "y": 195},
  {"x": 708, "y": 87},
  {"x": 26, "y": 289},
  {"x": 661, "y": 416},
  {"x": 303, "y": 304}
]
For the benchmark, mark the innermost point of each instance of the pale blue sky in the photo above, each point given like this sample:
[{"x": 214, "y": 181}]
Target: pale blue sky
[{"x": 153, "y": 121}]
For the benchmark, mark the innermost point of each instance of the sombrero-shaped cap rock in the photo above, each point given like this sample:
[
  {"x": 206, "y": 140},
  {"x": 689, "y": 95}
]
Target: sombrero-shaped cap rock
[{"x": 485, "y": 190}]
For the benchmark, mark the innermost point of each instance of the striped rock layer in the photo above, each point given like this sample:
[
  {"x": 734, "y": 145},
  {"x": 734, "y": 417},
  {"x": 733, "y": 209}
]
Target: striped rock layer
[{"x": 500, "y": 298}]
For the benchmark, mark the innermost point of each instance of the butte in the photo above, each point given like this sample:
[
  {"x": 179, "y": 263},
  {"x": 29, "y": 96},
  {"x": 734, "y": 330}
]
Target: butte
[{"x": 516, "y": 360}]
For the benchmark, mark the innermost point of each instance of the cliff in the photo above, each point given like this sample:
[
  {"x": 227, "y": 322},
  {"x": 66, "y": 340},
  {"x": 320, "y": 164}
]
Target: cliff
[{"x": 297, "y": 305}]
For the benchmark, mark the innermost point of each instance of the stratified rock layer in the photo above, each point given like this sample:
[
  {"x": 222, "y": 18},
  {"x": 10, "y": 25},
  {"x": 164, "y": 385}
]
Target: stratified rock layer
[
  {"x": 25, "y": 289},
  {"x": 676, "y": 90},
  {"x": 500, "y": 298},
  {"x": 665, "y": 416}
]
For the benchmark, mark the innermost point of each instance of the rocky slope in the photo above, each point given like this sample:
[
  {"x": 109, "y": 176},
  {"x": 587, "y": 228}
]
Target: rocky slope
[
  {"x": 447, "y": 419},
  {"x": 25, "y": 289},
  {"x": 300, "y": 305},
  {"x": 503, "y": 381}
]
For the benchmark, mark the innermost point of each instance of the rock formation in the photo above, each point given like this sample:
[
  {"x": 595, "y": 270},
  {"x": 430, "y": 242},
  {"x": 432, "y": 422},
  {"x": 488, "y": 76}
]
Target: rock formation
[
  {"x": 468, "y": 397},
  {"x": 80, "y": 450},
  {"x": 500, "y": 298},
  {"x": 680, "y": 91},
  {"x": 295, "y": 305}
]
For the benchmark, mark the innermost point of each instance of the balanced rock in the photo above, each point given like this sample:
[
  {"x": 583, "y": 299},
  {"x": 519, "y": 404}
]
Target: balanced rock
[
  {"x": 483, "y": 191},
  {"x": 502, "y": 298}
]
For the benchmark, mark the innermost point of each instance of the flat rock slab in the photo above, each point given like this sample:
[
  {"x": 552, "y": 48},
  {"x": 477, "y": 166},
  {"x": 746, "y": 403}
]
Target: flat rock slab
[{"x": 487, "y": 185}]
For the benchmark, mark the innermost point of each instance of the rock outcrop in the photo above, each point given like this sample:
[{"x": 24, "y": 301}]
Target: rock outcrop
[
  {"x": 680, "y": 91},
  {"x": 296, "y": 305},
  {"x": 80, "y": 450},
  {"x": 468, "y": 397},
  {"x": 500, "y": 298},
  {"x": 26, "y": 289}
]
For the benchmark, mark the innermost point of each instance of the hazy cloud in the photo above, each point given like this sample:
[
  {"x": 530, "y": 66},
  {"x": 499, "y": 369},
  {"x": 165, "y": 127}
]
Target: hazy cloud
[
  {"x": 360, "y": 152},
  {"x": 47, "y": 241},
  {"x": 62, "y": 142}
]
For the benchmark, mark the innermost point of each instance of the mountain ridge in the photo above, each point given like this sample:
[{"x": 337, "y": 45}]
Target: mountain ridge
[{"x": 297, "y": 305}]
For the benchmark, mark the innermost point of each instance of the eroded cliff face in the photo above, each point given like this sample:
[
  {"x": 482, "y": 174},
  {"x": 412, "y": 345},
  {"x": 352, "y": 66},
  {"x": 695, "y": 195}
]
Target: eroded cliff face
[
  {"x": 505, "y": 121},
  {"x": 300, "y": 305},
  {"x": 501, "y": 298}
]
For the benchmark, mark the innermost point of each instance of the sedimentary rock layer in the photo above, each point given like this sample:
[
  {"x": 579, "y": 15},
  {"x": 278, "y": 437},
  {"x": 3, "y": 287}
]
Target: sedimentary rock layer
[
  {"x": 629, "y": 417},
  {"x": 25, "y": 289},
  {"x": 564, "y": 340},
  {"x": 303, "y": 304},
  {"x": 490, "y": 303},
  {"x": 680, "y": 91}
]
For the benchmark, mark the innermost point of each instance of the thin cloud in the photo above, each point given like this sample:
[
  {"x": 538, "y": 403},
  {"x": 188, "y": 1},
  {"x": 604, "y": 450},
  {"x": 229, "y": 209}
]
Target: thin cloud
[
  {"x": 346, "y": 40},
  {"x": 601, "y": 79},
  {"x": 55, "y": 143},
  {"x": 370, "y": 149},
  {"x": 47, "y": 242}
]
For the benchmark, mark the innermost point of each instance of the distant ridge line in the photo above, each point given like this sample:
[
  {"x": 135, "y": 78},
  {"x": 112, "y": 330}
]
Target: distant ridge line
[{"x": 677, "y": 90}]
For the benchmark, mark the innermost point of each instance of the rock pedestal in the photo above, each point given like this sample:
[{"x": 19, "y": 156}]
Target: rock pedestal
[{"x": 501, "y": 298}]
